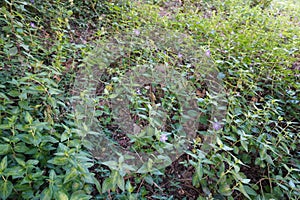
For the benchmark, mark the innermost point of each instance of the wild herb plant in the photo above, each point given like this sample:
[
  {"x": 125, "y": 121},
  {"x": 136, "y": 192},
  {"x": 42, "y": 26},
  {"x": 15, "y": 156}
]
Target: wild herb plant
[{"x": 255, "y": 46}]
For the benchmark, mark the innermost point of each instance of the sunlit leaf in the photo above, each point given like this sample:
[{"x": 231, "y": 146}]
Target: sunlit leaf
[
  {"x": 72, "y": 174},
  {"x": 46, "y": 194},
  {"x": 80, "y": 195},
  {"x": 6, "y": 188}
]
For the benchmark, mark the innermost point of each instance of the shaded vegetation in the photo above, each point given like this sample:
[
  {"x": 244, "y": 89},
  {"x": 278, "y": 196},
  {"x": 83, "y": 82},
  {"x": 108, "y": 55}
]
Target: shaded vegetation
[{"x": 255, "y": 46}]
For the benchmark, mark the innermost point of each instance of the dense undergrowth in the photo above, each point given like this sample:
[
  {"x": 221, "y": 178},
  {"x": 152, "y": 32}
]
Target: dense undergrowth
[{"x": 255, "y": 46}]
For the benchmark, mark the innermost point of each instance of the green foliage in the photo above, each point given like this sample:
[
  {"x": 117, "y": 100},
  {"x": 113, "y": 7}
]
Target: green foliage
[
  {"x": 41, "y": 155},
  {"x": 255, "y": 45},
  {"x": 255, "y": 49}
]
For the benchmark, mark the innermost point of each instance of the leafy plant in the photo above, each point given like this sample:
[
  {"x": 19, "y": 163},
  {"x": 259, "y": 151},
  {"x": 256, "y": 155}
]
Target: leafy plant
[{"x": 255, "y": 154}]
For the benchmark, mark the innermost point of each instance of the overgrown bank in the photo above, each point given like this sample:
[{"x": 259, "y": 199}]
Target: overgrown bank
[{"x": 256, "y": 50}]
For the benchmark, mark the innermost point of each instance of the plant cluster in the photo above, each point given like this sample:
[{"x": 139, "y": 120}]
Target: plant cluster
[{"x": 256, "y": 151}]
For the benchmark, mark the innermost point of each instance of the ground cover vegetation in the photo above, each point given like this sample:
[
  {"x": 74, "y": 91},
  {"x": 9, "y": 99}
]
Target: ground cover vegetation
[{"x": 255, "y": 46}]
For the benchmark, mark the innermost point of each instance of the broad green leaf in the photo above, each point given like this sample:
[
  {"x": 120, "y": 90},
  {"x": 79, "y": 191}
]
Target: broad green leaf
[
  {"x": 283, "y": 187},
  {"x": 149, "y": 180},
  {"x": 195, "y": 180},
  {"x": 111, "y": 164},
  {"x": 54, "y": 91},
  {"x": 78, "y": 185},
  {"x": 14, "y": 93},
  {"x": 39, "y": 175},
  {"x": 227, "y": 148},
  {"x": 4, "y": 149},
  {"x": 52, "y": 175},
  {"x": 88, "y": 178},
  {"x": 157, "y": 172},
  {"x": 150, "y": 164},
  {"x": 16, "y": 172},
  {"x": 46, "y": 194},
  {"x": 2, "y": 95},
  {"x": 28, "y": 118},
  {"x": 244, "y": 145},
  {"x": 269, "y": 160},
  {"x": 28, "y": 194},
  {"x": 20, "y": 162},
  {"x": 88, "y": 144},
  {"x": 80, "y": 195},
  {"x": 6, "y": 188},
  {"x": 72, "y": 174},
  {"x": 59, "y": 160},
  {"x": 121, "y": 183},
  {"x": 249, "y": 190},
  {"x": 61, "y": 195},
  {"x": 21, "y": 147},
  {"x": 243, "y": 191},
  {"x": 3, "y": 164},
  {"x": 128, "y": 167},
  {"x": 50, "y": 139},
  {"x": 199, "y": 170},
  {"x": 263, "y": 153},
  {"x": 13, "y": 51},
  {"x": 5, "y": 126},
  {"x": 32, "y": 162},
  {"x": 219, "y": 142},
  {"x": 292, "y": 184},
  {"x": 24, "y": 104},
  {"x": 225, "y": 189},
  {"x": 107, "y": 185},
  {"x": 143, "y": 169},
  {"x": 245, "y": 181},
  {"x": 26, "y": 47},
  {"x": 114, "y": 177},
  {"x": 96, "y": 182},
  {"x": 65, "y": 136},
  {"x": 130, "y": 188}
]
